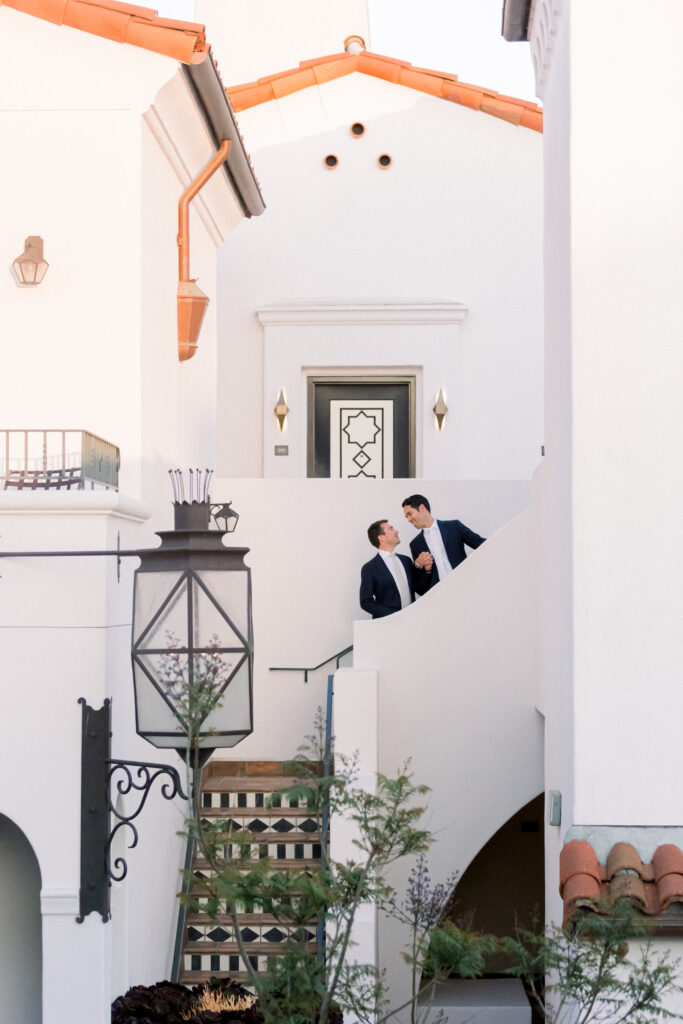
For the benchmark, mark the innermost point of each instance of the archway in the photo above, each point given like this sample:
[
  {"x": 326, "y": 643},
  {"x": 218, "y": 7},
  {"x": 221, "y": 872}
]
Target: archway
[
  {"x": 21, "y": 963},
  {"x": 503, "y": 887}
]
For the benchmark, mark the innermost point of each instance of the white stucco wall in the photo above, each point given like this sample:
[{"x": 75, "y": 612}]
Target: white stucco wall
[
  {"x": 552, "y": 482},
  {"x": 610, "y": 491},
  {"x": 454, "y": 690},
  {"x": 65, "y": 634},
  {"x": 457, "y": 217},
  {"x": 95, "y": 347},
  {"x": 308, "y": 540},
  {"x": 627, "y": 241}
]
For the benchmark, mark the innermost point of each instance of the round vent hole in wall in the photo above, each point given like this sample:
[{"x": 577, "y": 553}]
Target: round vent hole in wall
[
  {"x": 331, "y": 161},
  {"x": 384, "y": 160},
  {"x": 357, "y": 129}
]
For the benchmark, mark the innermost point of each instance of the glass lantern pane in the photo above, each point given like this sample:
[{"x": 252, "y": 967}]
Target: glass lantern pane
[
  {"x": 156, "y": 602},
  {"x": 212, "y": 625},
  {"x": 169, "y": 675},
  {"x": 193, "y": 700},
  {"x": 234, "y": 711},
  {"x": 156, "y": 719},
  {"x": 28, "y": 271},
  {"x": 230, "y": 590}
]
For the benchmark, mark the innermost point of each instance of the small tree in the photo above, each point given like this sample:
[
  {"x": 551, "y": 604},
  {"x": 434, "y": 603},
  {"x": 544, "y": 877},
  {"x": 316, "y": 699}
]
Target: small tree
[
  {"x": 435, "y": 950},
  {"x": 588, "y": 977},
  {"x": 302, "y": 987}
]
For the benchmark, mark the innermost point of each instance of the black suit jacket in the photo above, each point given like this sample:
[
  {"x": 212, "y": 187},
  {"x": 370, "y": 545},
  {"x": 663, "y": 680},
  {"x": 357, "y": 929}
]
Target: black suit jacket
[
  {"x": 454, "y": 535},
  {"x": 378, "y": 593}
]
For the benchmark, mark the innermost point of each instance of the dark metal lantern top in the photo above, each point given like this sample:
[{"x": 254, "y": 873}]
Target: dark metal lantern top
[
  {"x": 192, "y": 545},
  {"x": 191, "y": 515}
]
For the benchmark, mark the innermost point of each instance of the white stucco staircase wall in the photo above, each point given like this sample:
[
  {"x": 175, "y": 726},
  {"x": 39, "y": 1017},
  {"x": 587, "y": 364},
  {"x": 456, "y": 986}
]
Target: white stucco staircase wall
[{"x": 454, "y": 691}]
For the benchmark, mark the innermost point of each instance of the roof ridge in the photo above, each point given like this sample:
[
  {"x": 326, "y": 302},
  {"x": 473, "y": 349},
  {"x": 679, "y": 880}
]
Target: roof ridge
[{"x": 316, "y": 71}]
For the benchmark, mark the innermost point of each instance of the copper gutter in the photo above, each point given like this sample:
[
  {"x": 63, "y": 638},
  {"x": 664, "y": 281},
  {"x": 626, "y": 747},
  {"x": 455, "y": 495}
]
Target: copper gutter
[{"x": 192, "y": 301}]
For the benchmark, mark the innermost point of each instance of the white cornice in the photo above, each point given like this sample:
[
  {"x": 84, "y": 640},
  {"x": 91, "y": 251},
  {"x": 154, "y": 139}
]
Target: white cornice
[
  {"x": 59, "y": 903},
  {"x": 100, "y": 502},
  {"x": 543, "y": 28},
  {"x": 376, "y": 311}
]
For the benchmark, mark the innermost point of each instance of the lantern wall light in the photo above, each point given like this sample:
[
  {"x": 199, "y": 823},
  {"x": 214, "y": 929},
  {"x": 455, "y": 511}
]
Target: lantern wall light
[
  {"x": 31, "y": 267},
  {"x": 440, "y": 409},
  {"x": 281, "y": 410},
  {"x": 192, "y": 657}
]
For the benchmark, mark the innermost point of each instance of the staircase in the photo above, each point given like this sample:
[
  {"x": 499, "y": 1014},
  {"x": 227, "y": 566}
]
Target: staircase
[{"x": 244, "y": 794}]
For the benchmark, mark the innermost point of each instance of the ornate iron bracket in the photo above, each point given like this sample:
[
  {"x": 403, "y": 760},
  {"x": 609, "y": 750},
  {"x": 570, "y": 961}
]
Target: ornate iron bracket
[
  {"x": 141, "y": 782},
  {"x": 98, "y": 803}
]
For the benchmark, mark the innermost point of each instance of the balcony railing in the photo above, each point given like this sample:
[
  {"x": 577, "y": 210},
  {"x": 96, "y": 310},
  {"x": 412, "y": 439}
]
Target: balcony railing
[{"x": 57, "y": 460}]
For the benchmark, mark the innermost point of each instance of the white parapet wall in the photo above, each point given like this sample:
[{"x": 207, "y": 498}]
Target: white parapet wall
[
  {"x": 65, "y": 625},
  {"x": 307, "y": 541},
  {"x": 455, "y": 698}
]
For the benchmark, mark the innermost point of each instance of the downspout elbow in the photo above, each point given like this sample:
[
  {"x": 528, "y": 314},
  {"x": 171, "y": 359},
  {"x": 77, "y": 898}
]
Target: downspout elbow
[{"x": 192, "y": 301}]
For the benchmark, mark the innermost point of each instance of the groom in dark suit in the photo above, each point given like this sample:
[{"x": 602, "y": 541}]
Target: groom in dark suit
[
  {"x": 387, "y": 580},
  {"x": 440, "y": 546}
]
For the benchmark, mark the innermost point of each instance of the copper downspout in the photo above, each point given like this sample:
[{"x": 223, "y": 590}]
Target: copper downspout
[{"x": 192, "y": 301}]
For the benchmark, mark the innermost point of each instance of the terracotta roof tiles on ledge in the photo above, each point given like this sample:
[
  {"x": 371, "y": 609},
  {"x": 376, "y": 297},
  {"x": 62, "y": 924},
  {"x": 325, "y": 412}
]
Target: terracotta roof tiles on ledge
[
  {"x": 434, "y": 83},
  {"x": 651, "y": 888},
  {"x": 122, "y": 23}
]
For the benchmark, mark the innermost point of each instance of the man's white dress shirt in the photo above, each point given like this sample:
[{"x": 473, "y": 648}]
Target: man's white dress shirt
[
  {"x": 434, "y": 540},
  {"x": 395, "y": 567}
]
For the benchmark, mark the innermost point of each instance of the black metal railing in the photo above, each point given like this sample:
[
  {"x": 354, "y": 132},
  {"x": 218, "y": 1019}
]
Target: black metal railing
[
  {"x": 336, "y": 658},
  {"x": 57, "y": 460}
]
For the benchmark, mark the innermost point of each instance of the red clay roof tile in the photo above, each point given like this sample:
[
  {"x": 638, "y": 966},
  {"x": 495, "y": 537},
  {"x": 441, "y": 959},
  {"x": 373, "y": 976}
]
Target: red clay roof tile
[
  {"x": 578, "y": 858},
  {"x": 623, "y": 857},
  {"x": 434, "y": 83},
  {"x": 122, "y": 23},
  {"x": 667, "y": 860},
  {"x": 651, "y": 888}
]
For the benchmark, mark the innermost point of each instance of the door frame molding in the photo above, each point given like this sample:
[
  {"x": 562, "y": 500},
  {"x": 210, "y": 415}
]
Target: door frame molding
[{"x": 362, "y": 378}]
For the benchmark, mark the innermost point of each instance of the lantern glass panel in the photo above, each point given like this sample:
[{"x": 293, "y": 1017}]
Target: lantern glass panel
[
  {"x": 230, "y": 720},
  {"x": 213, "y": 625},
  {"x": 155, "y": 718},
  {"x": 28, "y": 271},
  {"x": 160, "y": 607},
  {"x": 230, "y": 590}
]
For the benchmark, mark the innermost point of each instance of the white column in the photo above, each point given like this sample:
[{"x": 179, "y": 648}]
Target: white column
[
  {"x": 355, "y": 732},
  {"x": 75, "y": 962}
]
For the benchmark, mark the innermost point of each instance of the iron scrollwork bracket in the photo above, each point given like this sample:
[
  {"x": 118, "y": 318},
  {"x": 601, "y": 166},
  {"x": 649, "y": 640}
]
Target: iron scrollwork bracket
[
  {"x": 103, "y": 780},
  {"x": 139, "y": 782}
]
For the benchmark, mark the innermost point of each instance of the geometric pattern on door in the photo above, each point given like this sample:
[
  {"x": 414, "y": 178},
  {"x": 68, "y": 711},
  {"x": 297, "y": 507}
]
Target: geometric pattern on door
[
  {"x": 362, "y": 439},
  {"x": 361, "y": 427}
]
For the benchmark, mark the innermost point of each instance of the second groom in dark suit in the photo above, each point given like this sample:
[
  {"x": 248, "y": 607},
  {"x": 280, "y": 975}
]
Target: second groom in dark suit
[
  {"x": 387, "y": 580},
  {"x": 440, "y": 546}
]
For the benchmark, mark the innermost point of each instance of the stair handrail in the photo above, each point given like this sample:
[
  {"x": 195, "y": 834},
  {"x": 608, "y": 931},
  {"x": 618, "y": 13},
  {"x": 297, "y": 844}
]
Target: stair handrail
[
  {"x": 325, "y": 825},
  {"x": 314, "y": 668}
]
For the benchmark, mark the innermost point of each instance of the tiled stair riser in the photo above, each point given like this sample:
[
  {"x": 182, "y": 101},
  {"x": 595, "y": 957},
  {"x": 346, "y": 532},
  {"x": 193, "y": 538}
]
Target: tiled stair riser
[
  {"x": 282, "y": 830},
  {"x": 221, "y": 800}
]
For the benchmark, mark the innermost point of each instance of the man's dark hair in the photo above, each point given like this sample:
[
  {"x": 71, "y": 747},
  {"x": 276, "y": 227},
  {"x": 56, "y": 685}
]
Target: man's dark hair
[
  {"x": 375, "y": 531},
  {"x": 415, "y": 500}
]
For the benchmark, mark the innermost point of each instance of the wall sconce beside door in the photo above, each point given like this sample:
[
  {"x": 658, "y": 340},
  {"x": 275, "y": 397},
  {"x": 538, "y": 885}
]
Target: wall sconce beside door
[
  {"x": 281, "y": 410},
  {"x": 30, "y": 267},
  {"x": 440, "y": 409}
]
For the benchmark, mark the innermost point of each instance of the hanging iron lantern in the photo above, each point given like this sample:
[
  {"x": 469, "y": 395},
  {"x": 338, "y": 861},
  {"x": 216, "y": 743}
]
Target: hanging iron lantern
[{"x": 192, "y": 647}]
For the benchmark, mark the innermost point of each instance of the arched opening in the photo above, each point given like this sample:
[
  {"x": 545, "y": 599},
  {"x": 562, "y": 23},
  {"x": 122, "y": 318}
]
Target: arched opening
[
  {"x": 503, "y": 887},
  {"x": 501, "y": 890},
  {"x": 21, "y": 963}
]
